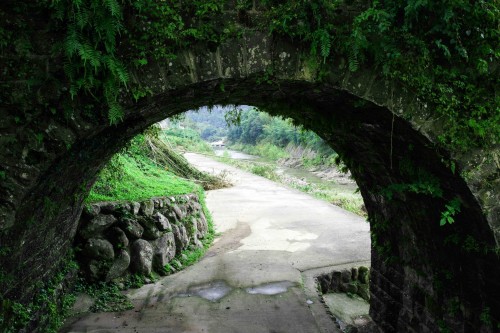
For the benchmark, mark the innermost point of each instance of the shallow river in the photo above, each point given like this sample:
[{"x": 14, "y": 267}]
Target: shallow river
[{"x": 309, "y": 177}]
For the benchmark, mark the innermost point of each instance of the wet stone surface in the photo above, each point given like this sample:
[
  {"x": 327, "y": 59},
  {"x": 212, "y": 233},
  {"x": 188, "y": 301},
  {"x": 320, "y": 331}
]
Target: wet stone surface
[
  {"x": 216, "y": 290},
  {"x": 271, "y": 288},
  {"x": 212, "y": 291}
]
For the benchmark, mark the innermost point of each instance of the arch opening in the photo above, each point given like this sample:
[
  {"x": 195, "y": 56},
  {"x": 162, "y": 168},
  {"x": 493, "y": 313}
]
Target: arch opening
[{"x": 416, "y": 272}]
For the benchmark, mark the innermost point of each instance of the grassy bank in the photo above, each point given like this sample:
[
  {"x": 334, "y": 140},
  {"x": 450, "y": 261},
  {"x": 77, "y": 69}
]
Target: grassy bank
[
  {"x": 346, "y": 199},
  {"x": 146, "y": 168},
  {"x": 129, "y": 177},
  {"x": 264, "y": 149},
  {"x": 185, "y": 139},
  {"x": 140, "y": 171}
]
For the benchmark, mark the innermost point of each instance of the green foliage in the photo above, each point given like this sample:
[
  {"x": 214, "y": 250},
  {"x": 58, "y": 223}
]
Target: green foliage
[
  {"x": 132, "y": 175},
  {"x": 446, "y": 52},
  {"x": 452, "y": 208},
  {"x": 162, "y": 27},
  {"x": 107, "y": 296},
  {"x": 443, "y": 328},
  {"x": 103, "y": 39},
  {"x": 92, "y": 66},
  {"x": 485, "y": 317},
  {"x": 264, "y": 171},
  {"x": 305, "y": 20},
  {"x": 379, "y": 225},
  {"x": 16, "y": 316},
  {"x": 211, "y": 123},
  {"x": 262, "y": 134},
  {"x": 423, "y": 183},
  {"x": 186, "y": 139},
  {"x": 425, "y": 186},
  {"x": 266, "y": 150},
  {"x": 134, "y": 281}
]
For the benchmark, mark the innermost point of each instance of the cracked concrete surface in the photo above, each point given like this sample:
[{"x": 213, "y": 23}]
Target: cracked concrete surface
[{"x": 258, "y": 275}]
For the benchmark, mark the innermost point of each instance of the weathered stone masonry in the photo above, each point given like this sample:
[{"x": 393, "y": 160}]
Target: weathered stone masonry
[
  {"x": 423, "y": 276},
  {"x": 354, "y": 281},
  {"x": 118, "y": 238}
]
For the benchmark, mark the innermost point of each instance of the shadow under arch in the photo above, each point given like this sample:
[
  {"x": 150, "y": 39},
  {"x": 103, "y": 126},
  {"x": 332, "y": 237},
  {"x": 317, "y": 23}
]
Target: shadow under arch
[{"x": 419, "y": 269}]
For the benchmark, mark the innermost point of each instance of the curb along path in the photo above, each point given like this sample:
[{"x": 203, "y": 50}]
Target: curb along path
[{"x": 258, "y": 275}]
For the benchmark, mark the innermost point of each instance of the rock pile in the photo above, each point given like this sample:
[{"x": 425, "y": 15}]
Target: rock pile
[
  {"x": 355, "y": 281},
  {"x": 117, "y": 238}
]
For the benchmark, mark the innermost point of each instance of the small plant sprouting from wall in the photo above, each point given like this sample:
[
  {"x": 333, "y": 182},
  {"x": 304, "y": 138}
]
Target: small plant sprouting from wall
[{"x": 452, "y": 208}]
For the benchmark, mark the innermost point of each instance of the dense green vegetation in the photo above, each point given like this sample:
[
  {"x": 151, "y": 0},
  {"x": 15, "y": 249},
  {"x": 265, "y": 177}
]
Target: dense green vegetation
[
  {"x": 129, "y": 177},
  {"x": 446, "y": 52},
  {"x": 49, "y": 308},
  {"x": 273, "y": 138},
  {"x": 255, "y": 132},
  {"x": 185, "y": 139},
  {"x": 149, "y": 167},
  {"x": 145, "y": 168},
  {"x": 261, "y": 134},
  {"x": 211, "y": 124}
]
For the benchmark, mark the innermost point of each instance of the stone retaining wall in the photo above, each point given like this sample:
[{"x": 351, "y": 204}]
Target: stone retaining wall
[
  {"x": 355, "y": 281},
  {"x": 117, "y": 238}
]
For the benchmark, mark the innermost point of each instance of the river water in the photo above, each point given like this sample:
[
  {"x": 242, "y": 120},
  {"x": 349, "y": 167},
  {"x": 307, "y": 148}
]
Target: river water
[
  {"x": 341, "y": 183},
  {"x": 234, "y": 154}
]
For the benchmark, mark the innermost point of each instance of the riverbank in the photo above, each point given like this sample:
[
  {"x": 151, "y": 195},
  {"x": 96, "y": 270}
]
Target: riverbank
[
  {"x": 258, "y": 276},
  {"x": 325, "y": 183}
]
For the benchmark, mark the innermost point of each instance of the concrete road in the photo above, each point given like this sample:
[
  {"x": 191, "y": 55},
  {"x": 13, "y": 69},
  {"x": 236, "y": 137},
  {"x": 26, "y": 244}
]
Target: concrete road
[{"x": 258, "y": 275}]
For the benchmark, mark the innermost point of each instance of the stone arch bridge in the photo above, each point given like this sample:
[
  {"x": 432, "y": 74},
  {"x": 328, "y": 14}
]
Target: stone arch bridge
[{"x": 425, "y": 276}]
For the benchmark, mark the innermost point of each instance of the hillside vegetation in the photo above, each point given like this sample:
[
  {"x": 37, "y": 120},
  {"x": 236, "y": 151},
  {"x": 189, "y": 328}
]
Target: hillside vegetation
[
  {"x": 148, "y": 167},
  {"x": 255, "y": 132},
  {"x": 279, "y": 143}
]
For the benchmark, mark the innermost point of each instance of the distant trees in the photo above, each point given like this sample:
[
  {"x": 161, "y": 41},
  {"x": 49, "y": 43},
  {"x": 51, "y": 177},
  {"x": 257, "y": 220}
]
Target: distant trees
[
  {"x": 253, "y": 128},
  {"x": 259, "y": 127}
]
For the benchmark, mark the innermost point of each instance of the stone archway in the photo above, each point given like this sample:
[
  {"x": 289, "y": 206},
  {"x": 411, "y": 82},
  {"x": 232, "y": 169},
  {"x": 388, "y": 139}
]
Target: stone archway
[{"x": 425, "y": 277}]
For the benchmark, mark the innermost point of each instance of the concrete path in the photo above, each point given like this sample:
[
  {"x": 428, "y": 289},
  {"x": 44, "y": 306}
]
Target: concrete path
[{"x": 258, "y": 275}]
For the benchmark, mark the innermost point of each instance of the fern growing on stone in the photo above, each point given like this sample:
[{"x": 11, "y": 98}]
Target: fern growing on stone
[{"x": 91, "y": 64}]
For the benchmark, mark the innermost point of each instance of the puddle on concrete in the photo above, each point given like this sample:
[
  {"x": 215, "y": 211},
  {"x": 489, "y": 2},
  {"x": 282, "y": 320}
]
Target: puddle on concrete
[
  {"x": 271, "y": 288},
  {"x": 216, "y": 290},
  {"x": 213, "y": 291}
]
